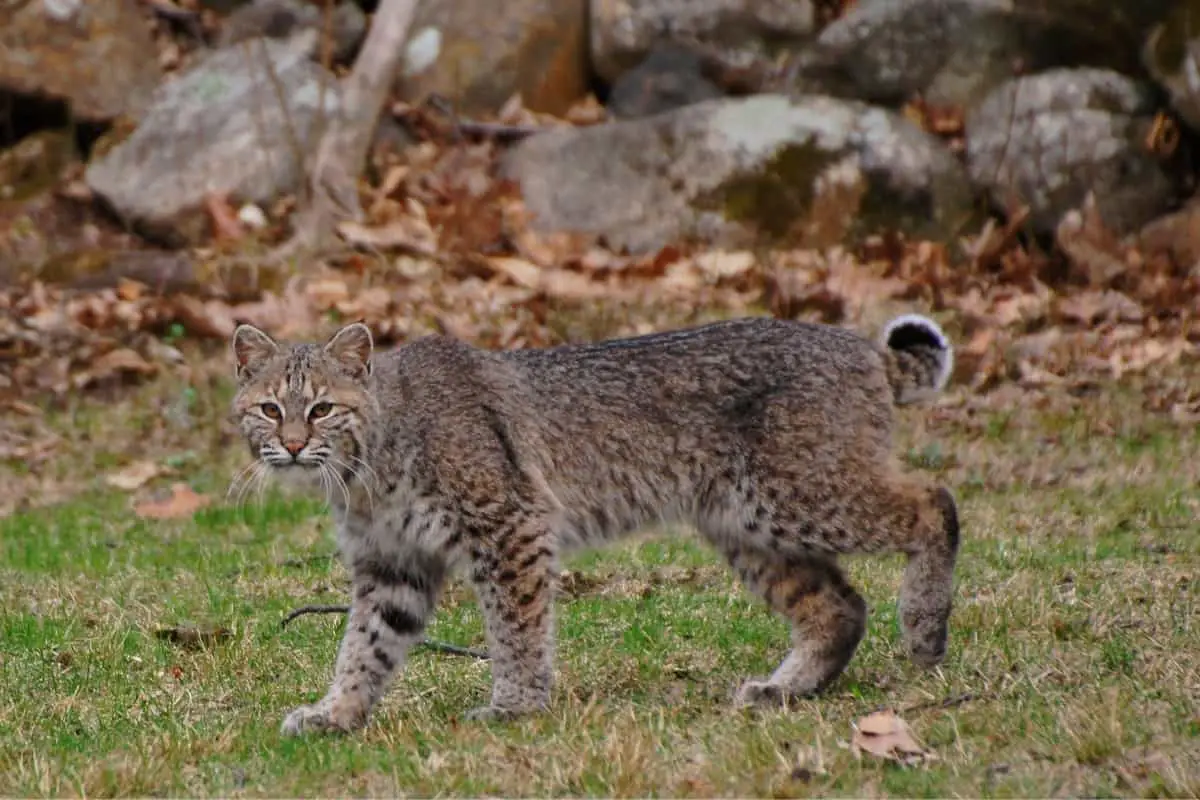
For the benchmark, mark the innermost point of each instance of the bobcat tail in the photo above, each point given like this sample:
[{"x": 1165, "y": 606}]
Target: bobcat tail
[{"x": 919, "y": 357}]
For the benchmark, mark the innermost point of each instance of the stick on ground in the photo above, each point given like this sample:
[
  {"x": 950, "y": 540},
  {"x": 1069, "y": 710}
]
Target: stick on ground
[{"x": 428, "y": 644}]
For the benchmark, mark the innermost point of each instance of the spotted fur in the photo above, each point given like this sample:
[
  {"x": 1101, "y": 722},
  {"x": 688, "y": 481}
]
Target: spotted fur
[{"x": 771, "y": 438}]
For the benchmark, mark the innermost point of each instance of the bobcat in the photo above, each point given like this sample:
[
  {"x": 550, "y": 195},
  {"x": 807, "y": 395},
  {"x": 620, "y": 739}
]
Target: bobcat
[{"x": 770, "y": 437}]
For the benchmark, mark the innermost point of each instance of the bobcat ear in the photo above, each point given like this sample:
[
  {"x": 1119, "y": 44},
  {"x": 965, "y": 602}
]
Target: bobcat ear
[
  {"x": 351, "y": 347},
  {"x": 251, "y": 347}
]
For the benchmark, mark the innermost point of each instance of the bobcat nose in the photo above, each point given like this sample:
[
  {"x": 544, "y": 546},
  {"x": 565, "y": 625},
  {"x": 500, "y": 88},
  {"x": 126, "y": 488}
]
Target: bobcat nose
[{"x": 293, "y": 447}]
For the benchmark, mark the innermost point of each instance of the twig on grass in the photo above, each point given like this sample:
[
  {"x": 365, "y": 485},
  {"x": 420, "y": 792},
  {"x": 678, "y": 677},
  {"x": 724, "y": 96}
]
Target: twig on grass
[
  {"x": 302, "y": 610},
  {"x": 428, "y": 644},
  {"x": 942, "y": 704},
  {"x": 304, "y": 562}
]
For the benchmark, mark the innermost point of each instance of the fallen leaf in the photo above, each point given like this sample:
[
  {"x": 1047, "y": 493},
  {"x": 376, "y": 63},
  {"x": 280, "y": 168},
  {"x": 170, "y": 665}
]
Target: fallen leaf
[
  {"x": 327, "y": 293},
  {"x": 193, "y": 636},
  {"x": 518, "y": 270},
  {"x": 885, "y": 735},
  {"x": 404, "y": 233},
  {"x": 1090, "y": 307},
  {"x": 183, "y": 502},
  {"x": 719, "y": 264},
  {"x": 114, "y": 364},
  {"x": 134, "y": 476},
  {"x": 128, "y": 289},
  {"x": 226, "y": 226}
]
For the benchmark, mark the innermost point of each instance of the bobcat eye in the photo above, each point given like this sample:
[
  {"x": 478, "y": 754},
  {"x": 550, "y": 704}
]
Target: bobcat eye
[
  {"x": 320, "y": 410},
  {"x": 271, "y": 411}
]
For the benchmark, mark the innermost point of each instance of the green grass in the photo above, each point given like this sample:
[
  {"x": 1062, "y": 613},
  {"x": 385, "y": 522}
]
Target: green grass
[{"x": 1074, "y": 664}]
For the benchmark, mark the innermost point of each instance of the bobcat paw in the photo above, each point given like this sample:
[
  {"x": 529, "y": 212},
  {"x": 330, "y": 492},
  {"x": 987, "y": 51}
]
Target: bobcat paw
[
  {"x": 318, "y": 718},
  {"x": 760, "y": 694}
]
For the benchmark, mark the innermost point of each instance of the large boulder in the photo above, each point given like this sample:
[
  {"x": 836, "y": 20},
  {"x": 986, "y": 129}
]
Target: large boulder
[
  {"x": 953, "y": 51},
  {"x": 669, "y": 77},
  {"x": 97, "y": 56},
  {"x": 478, "y": 56},
  {"x": 237, "y": 124},
  {"x": 280, "y": 19},
  {"x": 1047, "y": 140},
  {"x": 766, "y": 168},
  {"x": 623, "y": 32}
]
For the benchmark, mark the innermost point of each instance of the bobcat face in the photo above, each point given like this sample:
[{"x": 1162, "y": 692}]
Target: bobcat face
[{"x": 303, "y": 408}]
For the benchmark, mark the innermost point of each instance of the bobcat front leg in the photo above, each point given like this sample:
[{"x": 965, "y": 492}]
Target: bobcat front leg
[{"x": 392, "y": 601}]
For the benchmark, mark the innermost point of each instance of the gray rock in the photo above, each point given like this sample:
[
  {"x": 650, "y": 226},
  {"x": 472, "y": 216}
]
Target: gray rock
[
  {"x": 477, "y": 57},
  {"x": 220, "y": 128},
  {"x": 733, "y": 172},
  {"x": 953, "y": 51},
  {"x": 670, "y": 77},
  {"x": 280, "y": 19},
  {"x": 97, "y": 56},
  {"x": 1172, "y": 55},
  {"x": 1049, "y": 139},
  {"x": 622, "y": 32}
]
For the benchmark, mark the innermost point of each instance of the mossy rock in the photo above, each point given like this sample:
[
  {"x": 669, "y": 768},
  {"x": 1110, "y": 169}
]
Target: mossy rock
[
  {"x": 762, "y": 170},
  {"x": 33, "y": 165}
]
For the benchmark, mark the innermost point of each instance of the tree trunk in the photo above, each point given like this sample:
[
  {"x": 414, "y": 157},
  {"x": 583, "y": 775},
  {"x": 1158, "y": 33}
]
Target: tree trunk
[{"x": 344, "y": 147}]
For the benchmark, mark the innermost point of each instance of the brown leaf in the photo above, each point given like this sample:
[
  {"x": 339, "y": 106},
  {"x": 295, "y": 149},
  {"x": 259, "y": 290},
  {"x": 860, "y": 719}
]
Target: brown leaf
[
  {"x": 206, "y": 319},
  {"x": 885, "y": 735},
  {"x": 327, "y": 293},
  {"x": 1139, "y": 355},
  {"x": 720, "y": 264},
  {"x": 518, "y": 270},
  {"x": 130, "y": 289},
  {"x": 1089, "y": 307},
  {"x": 408, "y": 234},
  {"x": 226, "y": 226},
  {"x": 115, "y": 364},
  {"x": 135, "y": 475},
  {"x": 183, "y": 502},
  {"x": 193, "y": 636}
]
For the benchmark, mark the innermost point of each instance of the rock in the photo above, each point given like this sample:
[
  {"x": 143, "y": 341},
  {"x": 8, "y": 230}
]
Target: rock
[
  {"x": 671, "y": 76},
  {"x": 97, "y": 56},
  {"x": 737, "y": 171},
  {"x": 476, "y": 58},
  {"x": 280, "y": 19},
  {"x": 953, "y": 51},
  {"x": 1049, "y": 139},
  {"x": 33, "y": 165},
  {"x": 218, "y": 129},
  {"x": 624, "y": 31},
  {"x": 1172, "y": 55}
]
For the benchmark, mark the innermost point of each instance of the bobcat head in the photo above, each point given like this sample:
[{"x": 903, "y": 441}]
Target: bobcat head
[{"x": 304, "y": 409}]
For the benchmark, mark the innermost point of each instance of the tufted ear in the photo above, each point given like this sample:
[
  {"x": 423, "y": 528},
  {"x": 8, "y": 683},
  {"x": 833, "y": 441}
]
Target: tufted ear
[
  {"x": 251, "y": 347},
  {"x": 351, "y": 347}
]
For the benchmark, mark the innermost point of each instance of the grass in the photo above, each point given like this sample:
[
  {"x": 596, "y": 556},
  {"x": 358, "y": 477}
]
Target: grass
[{"x": 1074, "y": 664}]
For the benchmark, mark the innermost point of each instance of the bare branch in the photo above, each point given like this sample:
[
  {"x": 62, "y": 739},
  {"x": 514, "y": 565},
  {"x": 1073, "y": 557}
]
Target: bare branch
[
  {"x": 345, "y": 145},
  {"x": 429, "y": 644}
]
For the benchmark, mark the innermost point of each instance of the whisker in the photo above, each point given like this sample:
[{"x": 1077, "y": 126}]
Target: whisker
[
  {"x": 346, "y": 489},
  {"x": 378, "y": 484},
  {"x": 326, "y": 485},
  {"x": 242, "y": 475},
  {"x": 262, "y": 485},
  {"x": 248, "y": 484}
]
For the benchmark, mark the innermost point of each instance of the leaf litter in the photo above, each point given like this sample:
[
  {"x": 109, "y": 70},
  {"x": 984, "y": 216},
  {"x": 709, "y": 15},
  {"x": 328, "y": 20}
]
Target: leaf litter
[{"x": 446, "y": 245}]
